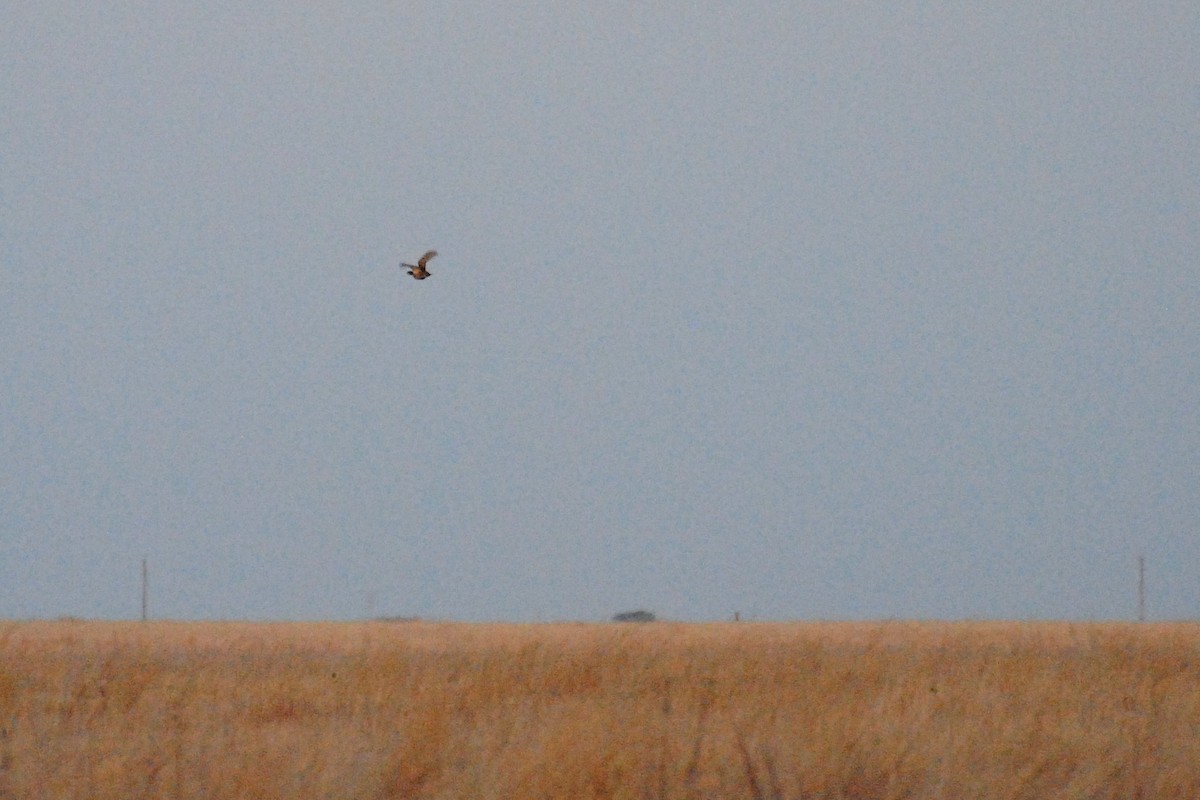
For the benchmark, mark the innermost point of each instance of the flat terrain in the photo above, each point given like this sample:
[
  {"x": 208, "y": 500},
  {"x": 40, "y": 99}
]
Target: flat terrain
[{"x": 862, "y": 711}]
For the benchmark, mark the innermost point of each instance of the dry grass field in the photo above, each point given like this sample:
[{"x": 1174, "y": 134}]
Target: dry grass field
[{"x": 861, "y": 711}]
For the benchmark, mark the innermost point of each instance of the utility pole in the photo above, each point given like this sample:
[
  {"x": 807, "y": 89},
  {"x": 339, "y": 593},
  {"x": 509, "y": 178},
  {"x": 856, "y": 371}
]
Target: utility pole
[
  {"x": 1141, "y": 588},
  {"x": 145, "y": 588}
]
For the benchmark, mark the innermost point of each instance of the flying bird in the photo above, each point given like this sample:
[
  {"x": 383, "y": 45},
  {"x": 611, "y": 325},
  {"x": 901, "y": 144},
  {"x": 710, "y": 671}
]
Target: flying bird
[{"x": 418, "y": 270}]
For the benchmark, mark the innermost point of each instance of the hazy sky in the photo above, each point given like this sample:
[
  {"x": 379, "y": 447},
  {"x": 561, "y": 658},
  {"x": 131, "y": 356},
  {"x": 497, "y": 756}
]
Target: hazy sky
[{"x": 801, "y": 310}]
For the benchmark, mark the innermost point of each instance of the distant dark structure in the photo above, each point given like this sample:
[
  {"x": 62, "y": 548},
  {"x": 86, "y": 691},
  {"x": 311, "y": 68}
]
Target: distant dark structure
[
  {"x": 418, "y": 270},
  {"x": 634, "y": 616}
]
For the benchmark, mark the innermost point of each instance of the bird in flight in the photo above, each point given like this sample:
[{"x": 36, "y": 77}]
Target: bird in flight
[{"x": 418, "y": 270}]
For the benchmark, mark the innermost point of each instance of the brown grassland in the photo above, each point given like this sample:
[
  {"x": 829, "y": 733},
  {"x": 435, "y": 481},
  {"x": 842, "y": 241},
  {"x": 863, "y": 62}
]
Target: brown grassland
[{"x": 862, "y": 711}]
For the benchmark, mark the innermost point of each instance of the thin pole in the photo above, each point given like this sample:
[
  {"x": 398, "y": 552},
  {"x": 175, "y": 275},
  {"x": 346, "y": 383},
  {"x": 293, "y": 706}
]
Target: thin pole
[
  {"x": 145, "y": 588},
  {"x": 1141, "y": 588}
]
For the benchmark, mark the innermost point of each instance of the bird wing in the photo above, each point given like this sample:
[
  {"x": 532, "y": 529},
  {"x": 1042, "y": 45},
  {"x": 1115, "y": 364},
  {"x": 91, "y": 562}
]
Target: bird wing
[{"x": 425, "y": 258}]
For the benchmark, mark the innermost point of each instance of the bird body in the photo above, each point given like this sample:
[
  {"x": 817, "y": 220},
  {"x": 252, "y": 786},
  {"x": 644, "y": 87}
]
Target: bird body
[{"x": 418, "y": 270}]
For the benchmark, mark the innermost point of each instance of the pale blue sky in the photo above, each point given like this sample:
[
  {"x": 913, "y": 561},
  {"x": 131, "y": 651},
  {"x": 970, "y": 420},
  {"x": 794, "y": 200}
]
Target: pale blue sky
[{"x": 805, "y": 310}]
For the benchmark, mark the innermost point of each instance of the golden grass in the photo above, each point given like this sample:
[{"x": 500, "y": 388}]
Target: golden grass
[{"x": 861, "y": 711}]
